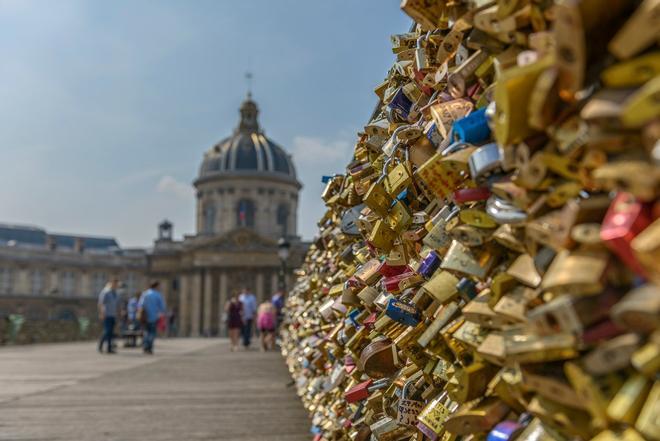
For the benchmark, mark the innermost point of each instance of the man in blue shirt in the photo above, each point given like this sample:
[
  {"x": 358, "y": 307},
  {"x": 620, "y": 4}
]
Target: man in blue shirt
[
  {"x": 108, "y": 305},
  {"x": 249, "y": 302},
  {"x": 151, "y": 307}
]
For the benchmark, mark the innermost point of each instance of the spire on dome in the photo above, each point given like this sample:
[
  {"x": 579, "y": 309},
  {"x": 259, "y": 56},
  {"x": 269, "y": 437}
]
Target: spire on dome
[
  {"x": 249, "y": 111},
  {"x": 248, "y": 79}
]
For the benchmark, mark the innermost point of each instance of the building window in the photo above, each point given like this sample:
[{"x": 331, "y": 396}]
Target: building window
[
  {"x": 283, "y": 218},
  {"x": 131, "y": 284},
  {"x": 67, "y": 283},
  {"x": 208, "y": 216},
  {"x": 6, "y": 280},
  {"x": 36, "y": 282},
  {"x": 245, "y": 213},
  {"x": 98, "y": 282}
]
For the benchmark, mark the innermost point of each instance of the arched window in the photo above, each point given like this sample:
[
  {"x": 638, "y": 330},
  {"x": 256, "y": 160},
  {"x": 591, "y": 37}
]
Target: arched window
[
  {"x": 99, "y": 279},
  {"x": 68, "y": 282},
  {"x": 208, "y": 218},
  {"x": 283, "y": 218},
  {"x": 37, "y": 282},
  {"x": 245, "y": 213},
  {"x": 6, "y": 280}
]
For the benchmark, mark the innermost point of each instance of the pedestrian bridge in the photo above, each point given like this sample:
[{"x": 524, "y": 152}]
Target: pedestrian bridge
[{"x": 191, "y": 389}]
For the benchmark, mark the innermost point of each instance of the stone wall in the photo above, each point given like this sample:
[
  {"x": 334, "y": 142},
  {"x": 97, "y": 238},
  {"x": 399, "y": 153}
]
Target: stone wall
[
  {"x": 46, "y": 331},
  {"x": 47, "y": 320},
  {"x": 48, "y": 307}
]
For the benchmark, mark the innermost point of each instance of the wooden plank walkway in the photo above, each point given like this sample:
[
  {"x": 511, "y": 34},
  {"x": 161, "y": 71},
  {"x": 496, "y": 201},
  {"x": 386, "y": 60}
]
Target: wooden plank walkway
[{"x": 192, "y": 389}]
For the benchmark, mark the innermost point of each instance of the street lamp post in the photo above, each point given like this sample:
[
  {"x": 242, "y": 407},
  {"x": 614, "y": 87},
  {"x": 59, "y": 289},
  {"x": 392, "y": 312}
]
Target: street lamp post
[{"x": 283, "y": 252}]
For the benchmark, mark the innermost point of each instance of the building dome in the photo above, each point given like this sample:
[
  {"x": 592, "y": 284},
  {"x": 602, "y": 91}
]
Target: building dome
[
  {"x": 246, "y": 181},
  {"x": 247, "y": 152}
]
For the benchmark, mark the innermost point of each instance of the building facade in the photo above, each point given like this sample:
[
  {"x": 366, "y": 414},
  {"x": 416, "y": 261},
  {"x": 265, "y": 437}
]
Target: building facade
[
  {"x": 247, "y": 199},
  {"x": 58, "y": 276}
]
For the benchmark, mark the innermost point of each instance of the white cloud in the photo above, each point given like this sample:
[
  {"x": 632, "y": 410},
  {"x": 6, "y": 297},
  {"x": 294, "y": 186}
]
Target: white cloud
[
  {"x": 310, "y": 151},
  {"x": 169, "y": 185},
  {"x": 137, "y": 178}
]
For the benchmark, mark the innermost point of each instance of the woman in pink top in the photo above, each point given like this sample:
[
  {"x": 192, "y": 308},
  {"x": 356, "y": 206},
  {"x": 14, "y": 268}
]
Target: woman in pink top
[{"x": 266, "y": 325}]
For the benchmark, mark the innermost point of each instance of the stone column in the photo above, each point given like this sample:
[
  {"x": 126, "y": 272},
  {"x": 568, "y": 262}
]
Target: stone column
[
  {"x": 165, "y": 291},
  {"x": 208, "y": 302},
  {"x": 86, "y": 284},
  {"x": 51, "y": 281},
  {"x": 274, "y": 280},
  {"x": 260, "y": 286},
  {"x": 184, "y": 304},
  {"x": 196, "y": 304},
  {"x": 224, "y": 297},
  {"x": 293, "y": 217}
]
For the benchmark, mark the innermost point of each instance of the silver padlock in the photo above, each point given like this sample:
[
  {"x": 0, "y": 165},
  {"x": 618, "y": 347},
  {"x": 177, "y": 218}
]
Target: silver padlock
[
  {"x": 408, "y": 409},
  {"x": 421, "y": 59},
  {"x": 485, "y": 160},
  {"x": 504, "y": 212},
  {"x": 349, "y": 221},
  {"x": 393, "y": 142}
]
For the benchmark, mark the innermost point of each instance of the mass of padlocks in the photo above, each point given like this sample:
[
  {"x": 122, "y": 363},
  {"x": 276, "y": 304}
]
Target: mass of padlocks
[{"x": 488, "y": 267}]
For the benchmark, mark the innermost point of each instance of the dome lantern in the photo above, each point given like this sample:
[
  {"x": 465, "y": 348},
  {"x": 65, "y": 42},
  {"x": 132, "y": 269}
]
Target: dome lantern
[{"x": 249, "y": 113}]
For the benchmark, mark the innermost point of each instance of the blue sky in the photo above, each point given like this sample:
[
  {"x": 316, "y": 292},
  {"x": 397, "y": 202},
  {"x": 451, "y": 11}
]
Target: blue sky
[{"x": 107, "y": 107}]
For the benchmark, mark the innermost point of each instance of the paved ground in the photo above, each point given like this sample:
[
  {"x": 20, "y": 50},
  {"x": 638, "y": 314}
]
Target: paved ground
[{"x": 192, "y": 389}]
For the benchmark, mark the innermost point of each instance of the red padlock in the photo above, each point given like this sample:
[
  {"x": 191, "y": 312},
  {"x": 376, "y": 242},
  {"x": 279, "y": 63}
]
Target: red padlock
[
  {"x": 370, "y": 321},
  {"x": 471, "y": 194},
  {"x": 602, "y": 331},
  {"x": 625, "y": 219},
  {"x": 391, "y": 284},
  {"x": 388, "y": 270},
  {"x": 353, "y": 282},
  {"x": 358, "y": 392}
]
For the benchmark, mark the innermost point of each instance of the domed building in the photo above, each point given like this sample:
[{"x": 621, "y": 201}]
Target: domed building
[
  {"x": 247, "y": 201},
  {"x": 247, "y": 180}
]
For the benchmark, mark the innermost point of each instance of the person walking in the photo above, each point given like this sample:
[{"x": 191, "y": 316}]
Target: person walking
[
  {"x": 278, "y": 302},
  {"x": 171, "y": 323},
  {"x": 108, "y": 306},
  {"x": 266, "y": 325},
  {"x": 234, "y": 311},
  {"x": 151, "y": 307},
  {"x": 249, "y": 302},
  {"x": 133, "y": 323}
]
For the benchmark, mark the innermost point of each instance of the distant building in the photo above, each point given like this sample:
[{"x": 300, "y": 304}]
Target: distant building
[
  {"x": 48, "y": 276},
  {"x": 247, "y": 198}
]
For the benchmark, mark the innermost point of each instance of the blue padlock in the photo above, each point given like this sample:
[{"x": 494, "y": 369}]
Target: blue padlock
[
  {"x": 352, "y": 317},
  {"x": 327, "y": 178},
  {"x": 404, "y": 197},
  {"x": 505, "y": 431},
  {"x": 434, "y": 135},
  {"x": 401, "y": 104},
  {"x": 467, "y": 289},
  {"x": 473, "y": 128},
  {"x": 403, "y": 313},
  {"x": 429, "y": 264}
]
